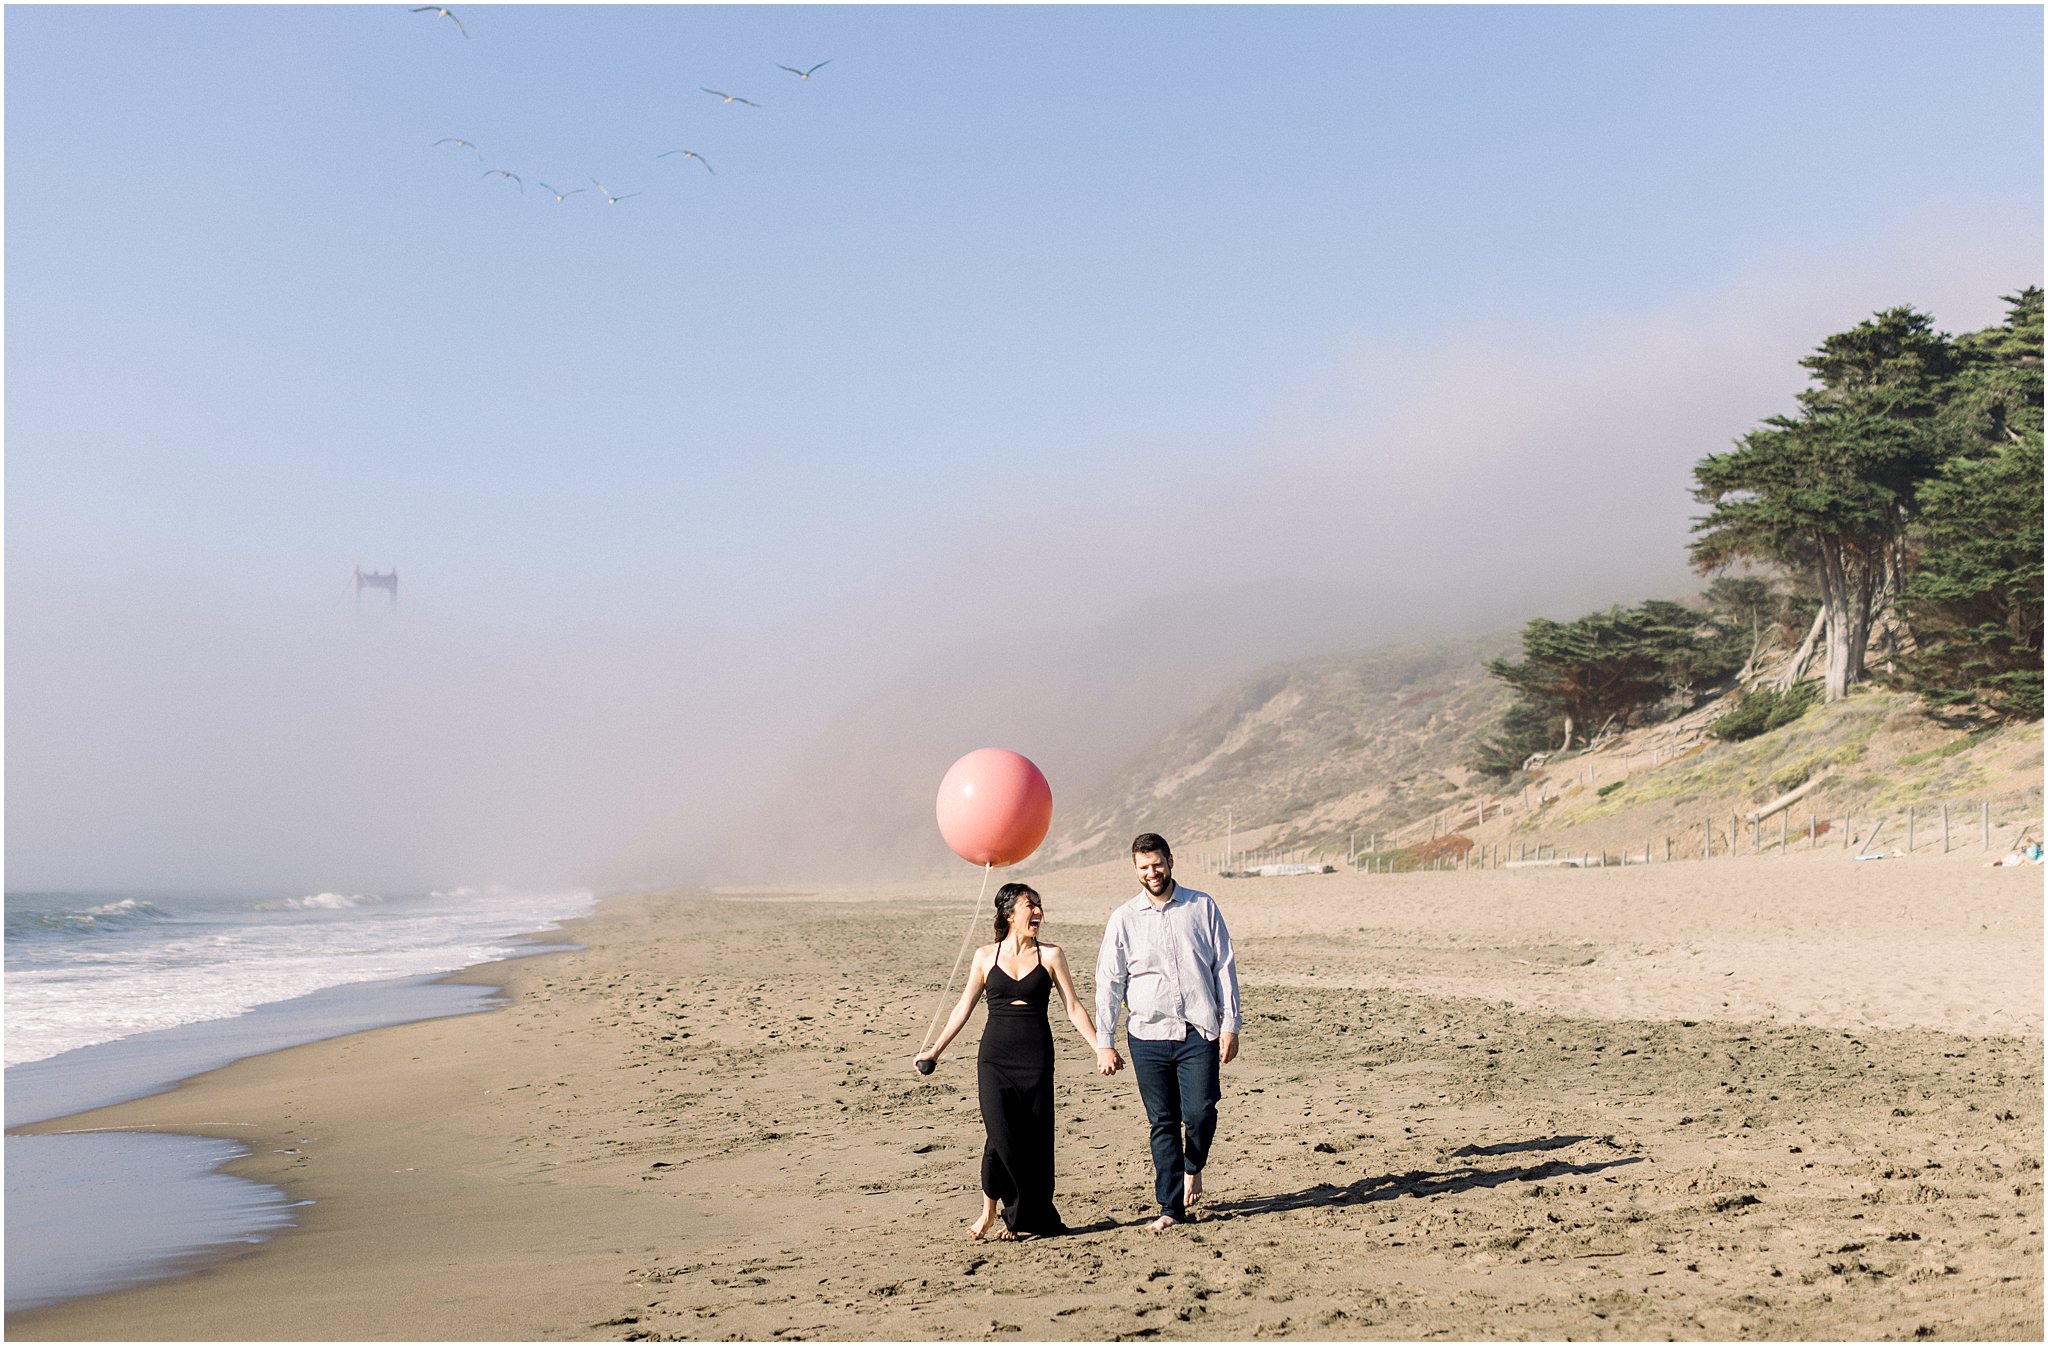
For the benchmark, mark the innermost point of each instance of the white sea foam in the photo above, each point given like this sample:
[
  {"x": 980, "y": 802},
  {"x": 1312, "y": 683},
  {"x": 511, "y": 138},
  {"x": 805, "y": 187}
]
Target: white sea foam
[
  {"x": 127, "y": 906},
  {"x": 320, "y": 902},
  {"x": 181, "y": 962}
]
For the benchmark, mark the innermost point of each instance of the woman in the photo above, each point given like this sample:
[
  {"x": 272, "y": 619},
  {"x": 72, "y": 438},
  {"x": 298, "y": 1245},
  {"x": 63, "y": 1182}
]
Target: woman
[{"x": 1015, "y": 1066}]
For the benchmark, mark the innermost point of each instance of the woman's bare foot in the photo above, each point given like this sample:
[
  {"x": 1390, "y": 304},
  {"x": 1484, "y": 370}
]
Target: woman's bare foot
[
  {"x": 990, "y": 1225},
  {"x": 1162, "y": 1224},
  {"x": 1191, "y": 1189}
]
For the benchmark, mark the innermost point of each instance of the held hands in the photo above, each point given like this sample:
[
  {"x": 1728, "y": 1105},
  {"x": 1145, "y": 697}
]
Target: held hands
[{"x": 1107, "y": 1062}]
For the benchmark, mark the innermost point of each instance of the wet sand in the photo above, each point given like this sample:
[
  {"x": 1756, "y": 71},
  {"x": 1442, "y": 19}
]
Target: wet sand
[{"x": 1787, "y": 1097}]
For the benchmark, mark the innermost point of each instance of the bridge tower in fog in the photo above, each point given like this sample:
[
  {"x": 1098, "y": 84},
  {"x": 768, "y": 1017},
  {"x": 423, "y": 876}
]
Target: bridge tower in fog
[{"x": 387, "y": 582}]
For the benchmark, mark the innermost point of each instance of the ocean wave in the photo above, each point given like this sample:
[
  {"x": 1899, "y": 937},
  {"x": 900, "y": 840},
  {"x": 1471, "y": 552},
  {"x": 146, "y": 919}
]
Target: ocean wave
[
  {"x": 107, "y": 916},
  {"x": 212, "y": 962},
  {"x": 319, "y": 902}
]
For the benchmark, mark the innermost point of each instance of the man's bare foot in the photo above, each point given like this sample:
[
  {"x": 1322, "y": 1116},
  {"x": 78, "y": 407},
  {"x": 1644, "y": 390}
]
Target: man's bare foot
[
  {"x": 1162, "y": 1224},
  {"x": 1191, "y": 1189}
]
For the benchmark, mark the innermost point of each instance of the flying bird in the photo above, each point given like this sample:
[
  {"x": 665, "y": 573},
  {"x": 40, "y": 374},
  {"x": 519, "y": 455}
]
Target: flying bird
[
  {"x": 609, "y": 199},
  {"x": 690, "y": 154},
  {"x": 730, "y": 98},
  {"x": 454, "y": 140},
  {"x": 560, "y": 197},
  {"x": 804, "y": 74},
  {"x": 445, "y": 13},
  {"x": 505, "y": 173}
]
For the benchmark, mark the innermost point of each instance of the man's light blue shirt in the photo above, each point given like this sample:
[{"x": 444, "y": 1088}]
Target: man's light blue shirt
[{"x": 1173, "y": 965}]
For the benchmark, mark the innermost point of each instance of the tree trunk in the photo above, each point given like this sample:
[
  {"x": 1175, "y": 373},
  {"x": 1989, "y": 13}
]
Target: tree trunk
[
  {"x": 1848, "y": 586},
  {"x": 1797, "y": 668},
  {"x": 1890, "y": 633},
  {"x": 1566, "y": 746}
]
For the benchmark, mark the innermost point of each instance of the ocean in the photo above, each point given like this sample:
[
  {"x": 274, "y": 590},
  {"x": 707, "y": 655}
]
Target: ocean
[{"x": 112, "y": 996}]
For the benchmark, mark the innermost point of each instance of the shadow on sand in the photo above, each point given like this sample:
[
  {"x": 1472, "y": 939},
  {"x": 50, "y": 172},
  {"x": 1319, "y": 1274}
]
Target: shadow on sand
[{"x": 1421, "y": 1183}]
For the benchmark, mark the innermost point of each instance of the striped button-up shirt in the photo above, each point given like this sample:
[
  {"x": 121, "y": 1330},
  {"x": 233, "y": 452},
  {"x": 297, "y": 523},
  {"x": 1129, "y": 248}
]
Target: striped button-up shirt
[{"x": 1172, "y": 965}]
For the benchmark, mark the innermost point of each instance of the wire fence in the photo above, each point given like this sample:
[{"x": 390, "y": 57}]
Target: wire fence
[{"x": 1941, "y": 827}]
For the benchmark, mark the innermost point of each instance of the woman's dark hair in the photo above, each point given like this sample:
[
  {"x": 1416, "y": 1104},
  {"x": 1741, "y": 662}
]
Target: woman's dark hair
[{"x": 1007, "y": 898}]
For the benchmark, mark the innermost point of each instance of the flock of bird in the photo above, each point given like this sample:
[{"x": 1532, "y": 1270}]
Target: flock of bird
[{"x": 506, "y": 174}]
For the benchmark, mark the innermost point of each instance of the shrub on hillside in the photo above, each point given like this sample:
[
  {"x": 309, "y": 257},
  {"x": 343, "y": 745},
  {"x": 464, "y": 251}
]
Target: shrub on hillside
[{"x": 1763, "y": 710}]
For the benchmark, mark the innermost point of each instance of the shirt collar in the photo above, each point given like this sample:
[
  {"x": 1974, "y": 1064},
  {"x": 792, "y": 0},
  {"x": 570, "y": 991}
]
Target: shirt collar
[{"x": 1178, "y": 896}]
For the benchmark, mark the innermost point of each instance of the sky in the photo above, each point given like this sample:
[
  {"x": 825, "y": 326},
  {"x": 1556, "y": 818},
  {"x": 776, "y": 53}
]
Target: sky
[{"x": 1011, "y": 323}]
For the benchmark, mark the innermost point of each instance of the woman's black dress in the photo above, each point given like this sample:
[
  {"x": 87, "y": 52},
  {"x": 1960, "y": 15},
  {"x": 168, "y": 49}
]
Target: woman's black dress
[{"x": 1015, "y": 1074}]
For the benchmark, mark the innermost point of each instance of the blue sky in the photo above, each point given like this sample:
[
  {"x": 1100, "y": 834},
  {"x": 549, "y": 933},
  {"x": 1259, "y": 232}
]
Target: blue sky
[{"x": 994, "y": 271}]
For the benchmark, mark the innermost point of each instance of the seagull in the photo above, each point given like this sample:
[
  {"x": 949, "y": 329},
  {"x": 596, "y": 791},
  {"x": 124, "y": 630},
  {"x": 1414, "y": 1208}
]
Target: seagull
[
  {"x": 560, "y": 197},
  {"x": 454, "y": 140},
  {"x": 804, "y": 74},
  {"x": 445, "y": 13},
  {"x": 609, "y": 199},
  {"x": 689, "y": 154},
  {"x": 505, "y": 173},
  {"x": 730, "y": 98}
]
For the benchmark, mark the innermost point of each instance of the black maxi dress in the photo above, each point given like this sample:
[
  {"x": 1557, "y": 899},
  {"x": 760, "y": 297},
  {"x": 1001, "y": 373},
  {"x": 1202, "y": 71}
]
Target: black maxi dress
[{"x": 1014, "y": 1070}]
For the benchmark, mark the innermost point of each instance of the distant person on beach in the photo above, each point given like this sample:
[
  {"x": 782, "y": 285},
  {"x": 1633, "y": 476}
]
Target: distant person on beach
[
  {"x": 1166, "y": 955},
  {"x": 1015, "y": 1066}
]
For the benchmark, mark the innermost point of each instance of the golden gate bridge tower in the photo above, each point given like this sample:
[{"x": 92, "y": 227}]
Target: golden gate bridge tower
[{"x": 372, "y": 580}]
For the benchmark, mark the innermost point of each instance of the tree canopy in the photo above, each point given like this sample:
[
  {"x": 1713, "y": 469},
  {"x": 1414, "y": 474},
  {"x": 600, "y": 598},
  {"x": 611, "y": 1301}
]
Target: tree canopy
[
  {"x": 1972, "y": 598},
  {"x": 1903, "y": 490},
  {"x": 1834, "y": 489}
]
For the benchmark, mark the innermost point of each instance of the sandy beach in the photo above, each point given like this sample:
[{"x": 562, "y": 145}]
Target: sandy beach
[{"x": 1793, "y": 1097}]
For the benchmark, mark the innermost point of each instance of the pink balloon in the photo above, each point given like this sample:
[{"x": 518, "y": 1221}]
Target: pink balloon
[{"x": 994, "y": 807}]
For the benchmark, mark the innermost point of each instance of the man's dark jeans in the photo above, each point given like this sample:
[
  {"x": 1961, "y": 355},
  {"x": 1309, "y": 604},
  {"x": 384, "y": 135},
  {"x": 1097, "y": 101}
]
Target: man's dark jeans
[{"x": 1180, "y": 1083}]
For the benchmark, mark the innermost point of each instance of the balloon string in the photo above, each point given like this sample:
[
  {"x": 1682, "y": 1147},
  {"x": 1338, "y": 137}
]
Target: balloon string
[{"x": 964, "y": 946}]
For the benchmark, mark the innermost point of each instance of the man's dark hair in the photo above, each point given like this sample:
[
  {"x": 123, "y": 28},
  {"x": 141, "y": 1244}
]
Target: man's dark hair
[{"x": 1151, "y": 843}]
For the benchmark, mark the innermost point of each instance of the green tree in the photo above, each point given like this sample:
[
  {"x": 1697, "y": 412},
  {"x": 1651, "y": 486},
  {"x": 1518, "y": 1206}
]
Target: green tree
[
  {"x": 1605, "y": 666},
  {"x": 1833, "y": 486},
  {"x": 1973, "y": 598},
  {"x": 1526, "y": 728},
  {"x": 1996, "y": 395},
  {"x": 1694, "y": 649}
]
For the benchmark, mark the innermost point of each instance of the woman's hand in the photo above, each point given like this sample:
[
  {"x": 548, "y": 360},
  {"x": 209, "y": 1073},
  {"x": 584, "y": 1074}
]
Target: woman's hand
[{"x": 927, "y": 1061}]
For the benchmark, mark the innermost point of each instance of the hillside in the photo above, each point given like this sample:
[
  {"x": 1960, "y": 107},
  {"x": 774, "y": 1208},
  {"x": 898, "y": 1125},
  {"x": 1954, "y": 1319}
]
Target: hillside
[
  {"x": 1871, "y": 769},
  {"x": 1372, "y": 740},
  {"x": 1327, "y": 756}
]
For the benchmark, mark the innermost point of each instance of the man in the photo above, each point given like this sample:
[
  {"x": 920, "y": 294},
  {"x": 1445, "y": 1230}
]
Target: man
[{"x": 1167, "y": 956}]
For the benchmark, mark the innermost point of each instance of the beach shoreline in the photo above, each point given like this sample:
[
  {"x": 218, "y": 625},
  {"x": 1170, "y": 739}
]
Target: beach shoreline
[
  {"x": 1647, "y": 1101},
  {"x": 173, "y": 1206}
]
